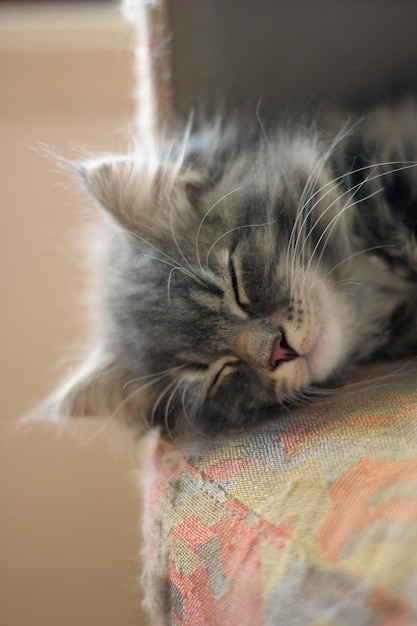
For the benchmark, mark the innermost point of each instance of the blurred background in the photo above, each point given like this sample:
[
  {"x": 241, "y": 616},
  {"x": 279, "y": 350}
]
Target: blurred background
[{"x": 69, "y": 508}]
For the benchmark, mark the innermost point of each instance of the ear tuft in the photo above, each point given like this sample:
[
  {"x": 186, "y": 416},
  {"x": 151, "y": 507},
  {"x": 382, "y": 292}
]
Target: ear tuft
[
  {"x": 118, "y": 185},
  {"x": 101, "y": 387},
  {"x": 141, "y": 194}
]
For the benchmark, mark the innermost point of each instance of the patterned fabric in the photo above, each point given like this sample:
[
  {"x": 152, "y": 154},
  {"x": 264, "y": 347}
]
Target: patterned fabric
[{"x": 310, "y": 519}]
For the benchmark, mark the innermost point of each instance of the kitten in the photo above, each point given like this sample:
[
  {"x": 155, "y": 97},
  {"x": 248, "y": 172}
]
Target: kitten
[{"x": 245, "y": 266}]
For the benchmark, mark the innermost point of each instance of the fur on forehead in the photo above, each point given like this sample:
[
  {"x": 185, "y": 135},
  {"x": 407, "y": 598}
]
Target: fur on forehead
[{"x": 142, "y": 193}]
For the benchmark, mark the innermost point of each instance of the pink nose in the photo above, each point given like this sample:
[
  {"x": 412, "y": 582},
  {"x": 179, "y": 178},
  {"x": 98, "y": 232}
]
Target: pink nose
[{"x": 281, "y": 352}]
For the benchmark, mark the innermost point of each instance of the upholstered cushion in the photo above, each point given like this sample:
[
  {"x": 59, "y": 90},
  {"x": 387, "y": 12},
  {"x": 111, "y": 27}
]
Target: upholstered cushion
[{"x": 310, "y": 519}]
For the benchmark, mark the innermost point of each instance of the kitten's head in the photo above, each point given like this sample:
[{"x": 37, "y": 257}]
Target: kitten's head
[{"x": 223, "y": 281}]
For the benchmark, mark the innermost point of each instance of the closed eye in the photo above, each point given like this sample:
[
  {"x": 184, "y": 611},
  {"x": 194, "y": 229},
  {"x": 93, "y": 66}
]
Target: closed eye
[
  {"x": 196, "y": 366},
  {"x": 235, "y": 285},
  {"x": 226, "y": 368},
  {"x": 238, "y": 285}
]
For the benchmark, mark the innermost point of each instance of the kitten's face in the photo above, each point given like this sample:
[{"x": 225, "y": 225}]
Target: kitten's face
[
  {"x": 231, "y": 306},
  {"x": 224, "y": 285}
]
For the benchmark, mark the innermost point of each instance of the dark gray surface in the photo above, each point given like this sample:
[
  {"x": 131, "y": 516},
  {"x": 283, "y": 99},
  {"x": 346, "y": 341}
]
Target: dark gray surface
[{"x": 288, "y": 51}]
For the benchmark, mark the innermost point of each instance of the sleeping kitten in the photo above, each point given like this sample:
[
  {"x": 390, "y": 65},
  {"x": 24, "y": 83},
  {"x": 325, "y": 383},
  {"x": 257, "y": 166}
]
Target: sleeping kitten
[{"x": 244, "y": 267}]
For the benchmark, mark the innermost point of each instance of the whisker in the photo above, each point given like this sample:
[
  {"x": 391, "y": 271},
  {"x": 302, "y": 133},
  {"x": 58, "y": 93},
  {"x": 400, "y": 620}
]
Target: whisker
[
  {"x": 166, "y": 412},
  {"x": 160, "y": 374},
  {"x": 155, "y": 378},
  {"x": 330, "y": 226},
  {"x": 297, "y": 230},
  {"x": 175, "y": 267},
  {"x": 173, "y": 261},
  {"x": 365, "y": 384},
  {"x": 350, "y": 193},
  {"x": 143, "y": 240},
  {"x": 262, "y": 127},
  {"x": 178, "y": 165},
  {"x": 174, "y": 237},
  {"x": 355, "y": 254},
  {"x": 110, "y": 419},
  {"x": 403, "y": 166},
  {"x": 213, "y": 206},
  {"x": 187, "y": 417},
  {"x": 103, "y": 426},
  {"x": 158, "y": 400},
  {"x": 228, "y": 233}
]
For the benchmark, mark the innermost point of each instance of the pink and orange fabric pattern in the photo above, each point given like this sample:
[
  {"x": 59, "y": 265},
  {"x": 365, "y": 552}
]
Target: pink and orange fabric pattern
[{"x": 310, "y": 519}]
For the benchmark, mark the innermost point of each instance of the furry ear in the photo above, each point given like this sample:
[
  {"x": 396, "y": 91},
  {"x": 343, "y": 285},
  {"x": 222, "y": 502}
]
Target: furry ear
[
  {"x": 141, "y": 193},
  {"x": 102, "y": 387}
]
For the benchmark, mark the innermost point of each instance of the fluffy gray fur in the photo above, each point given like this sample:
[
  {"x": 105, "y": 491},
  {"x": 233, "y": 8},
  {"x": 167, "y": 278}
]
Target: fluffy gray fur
[{"x": 250, "y": 266}]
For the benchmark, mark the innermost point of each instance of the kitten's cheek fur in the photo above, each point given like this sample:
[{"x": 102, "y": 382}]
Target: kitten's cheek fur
[
  {"x": 330, "y": 347},
  {"x": 325, "y": 345},
  {"x": 325, "y": 355}
]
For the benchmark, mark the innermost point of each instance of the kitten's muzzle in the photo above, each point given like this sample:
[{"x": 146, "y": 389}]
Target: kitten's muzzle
[
  {"x": 262, "y": 345},
  {"x": 281, "y": 352}
]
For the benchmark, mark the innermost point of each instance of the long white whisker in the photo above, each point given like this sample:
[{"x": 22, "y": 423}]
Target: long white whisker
[
  {"x": 145, "y": 241},
  {"x": 307, "y": 236},
  {"x": 112, "y": 416},
  {"x": 213, "y": 206},
  {"x": 178, "y": 166},
  {"x": 355, "y": 254},
  {"x": 175, "y": 267},
  {"x": 262, "y": 127},
  {"x": 366, "y": 384},
  {"x": 160, "y": 374},
  {"x": 174, "y": 237},
  {"x": 347, "y": 205},
  {"x": 228, "y": 233},
  {"x": 169, "y": 283},
  {"x": 158, "y": 400},
  {"x": 297, "y": 229},
  {"x": 329, "y": 229},
  {"x": 403, "y": 166},
  {"x": 103, "y": 425},
  {"x": 187, "y": 417},
  {"x": 350, "y": 193},
  {"x": 167, "y": 407}
]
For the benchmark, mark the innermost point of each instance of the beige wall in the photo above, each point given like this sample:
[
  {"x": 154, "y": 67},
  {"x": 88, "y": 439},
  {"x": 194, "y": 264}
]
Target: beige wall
[{"x": 69, "y": 508}]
